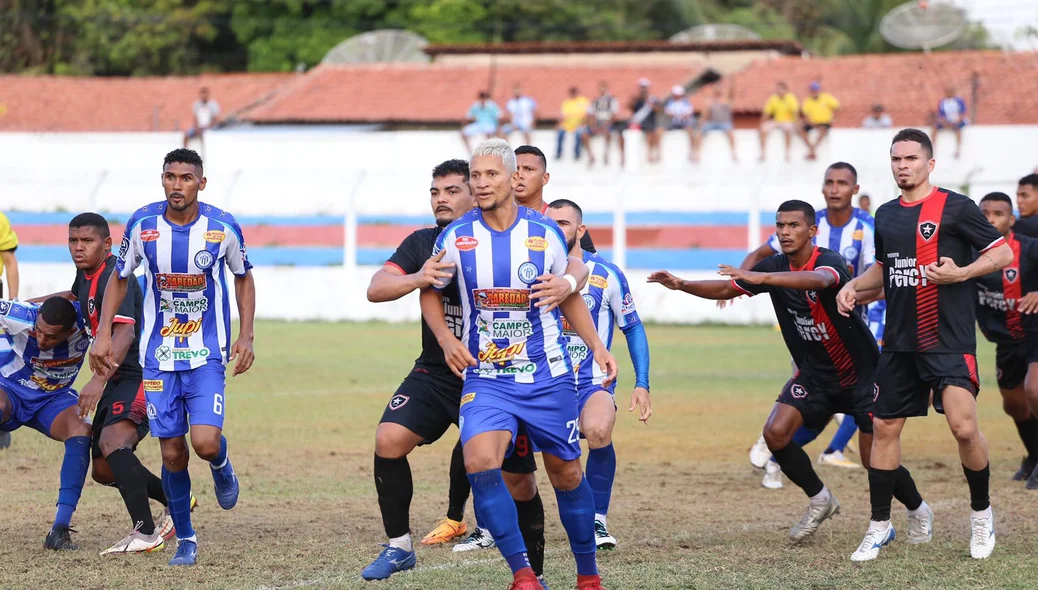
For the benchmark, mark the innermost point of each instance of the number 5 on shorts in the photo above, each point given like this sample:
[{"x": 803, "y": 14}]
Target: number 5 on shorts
[
  {"x": 574, "y": 431},
  {"x": 218, "y": 404}
]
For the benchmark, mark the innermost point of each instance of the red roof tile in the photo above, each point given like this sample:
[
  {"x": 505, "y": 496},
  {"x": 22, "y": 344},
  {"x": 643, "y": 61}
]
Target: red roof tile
[
  {"x": 787, "y": 47},
  {"x": 53, "y": 103},
  {"x": 909, "y": 85}
]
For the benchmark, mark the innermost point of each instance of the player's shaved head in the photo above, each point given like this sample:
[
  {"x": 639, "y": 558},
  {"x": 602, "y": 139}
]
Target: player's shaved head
[
  {"x": 566, "y": 203},
  {"x": 802, "y": 206},
  {"x": 92, "y": 221},
  {"x": 998, "y": 210},
  {"x": 840, "y": 186},
  {"x": 55, "y": 322}
]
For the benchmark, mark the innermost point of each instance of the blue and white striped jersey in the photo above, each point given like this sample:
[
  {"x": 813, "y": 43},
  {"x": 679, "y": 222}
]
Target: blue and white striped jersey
[
  {"x": 506, "y": 333},
  {"x": 24, "y": 363},
  {"x": 856, "y": 241},
  {"x": 187, "y": 312},
  {"x": 608, "y": 298}
]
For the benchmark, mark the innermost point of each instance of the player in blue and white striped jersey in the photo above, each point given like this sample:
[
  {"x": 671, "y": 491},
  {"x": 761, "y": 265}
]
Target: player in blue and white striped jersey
[
  {"x": 500, "y": 252},
  {"x": 850, "y": 231},
  {"x": 609, "y": 299},
  {"x": 185, "y": 246},
  {"x": 43, "y": 349}
]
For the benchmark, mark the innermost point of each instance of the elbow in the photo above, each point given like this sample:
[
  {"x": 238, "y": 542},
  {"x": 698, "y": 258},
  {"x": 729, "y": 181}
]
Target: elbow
[{"x": 373, "y": 295}]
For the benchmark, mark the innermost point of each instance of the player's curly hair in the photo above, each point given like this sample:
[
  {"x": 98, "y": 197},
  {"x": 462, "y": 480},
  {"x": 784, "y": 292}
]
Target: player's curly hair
[
  {"x": 58, "y": 311},
  {"x": 183, "y": 156},
  {"x": 917, "y": 136},
  {"x": 459, "y": 167}
]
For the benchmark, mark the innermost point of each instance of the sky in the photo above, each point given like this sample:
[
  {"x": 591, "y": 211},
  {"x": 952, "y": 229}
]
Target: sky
[{"x": 1004, "y": 18}]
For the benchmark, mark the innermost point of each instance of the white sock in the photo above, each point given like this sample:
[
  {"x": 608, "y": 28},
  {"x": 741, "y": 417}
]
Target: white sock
[
  {"x": 922, "y": 508},
  {"x": 226, "y": 458},
  {"x": 879, "y": 526},
  {"x": 985, "y": 513},
  {"x": 403, "y": 542},
  {"x": 600, "y": 517},
  {"x": 821, "y": 497}
]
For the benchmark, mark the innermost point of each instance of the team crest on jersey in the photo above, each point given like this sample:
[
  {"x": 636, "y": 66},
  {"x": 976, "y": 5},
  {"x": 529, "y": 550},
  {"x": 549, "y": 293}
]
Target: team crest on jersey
[
  {"x": 152, "y": 412},
  {"x": 850, "y": 253},
  {"x": 1011, "y": 274},
  {"x": 82, "y": 345},
  {"x": 875, "y": 392},
  {"x": 398, "y": 402},
  {"x": 528, "y": 272},
  {"x": 149, "y": 235},
  {"x": 589, "y": 301},
  {"x": 466, "y": 243},
  {"x": 628, "y": 304},
  {"x": 124, "y": 246},
  {"x": 90, "y": 306},
  {"x": 798, "y": 391},
  {"x": 204, "y": 259},
  {"x": 927, "y": 229},
  {"x": 5, "y": 307},
  {"x": 812, "y": 296}
]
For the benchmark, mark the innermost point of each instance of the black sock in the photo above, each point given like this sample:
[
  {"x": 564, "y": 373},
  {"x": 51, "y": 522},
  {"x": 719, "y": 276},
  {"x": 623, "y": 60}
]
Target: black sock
[
  {"x": 905, "y": 490},
  {"x": 797, "y": 466},
  {"x": 531, "y": 525},
  {"x": 978, "y": 482},
  {"x": 881, "y": 491},
  {"x": 129, "y": 475},
  {"x": 1028, "y": 430},
  {"x": 155, "y": 491},
  {"x": 458, "y": 494},
  {"x": 395, "y": 488}
]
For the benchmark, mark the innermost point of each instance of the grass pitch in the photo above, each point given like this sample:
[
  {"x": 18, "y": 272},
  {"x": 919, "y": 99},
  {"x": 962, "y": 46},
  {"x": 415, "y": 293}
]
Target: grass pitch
[{"x": 687, "y": 507}]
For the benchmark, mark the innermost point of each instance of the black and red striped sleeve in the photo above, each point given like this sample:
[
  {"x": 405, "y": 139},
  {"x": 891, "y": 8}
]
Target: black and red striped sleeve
[
  {"x": 412, "y": 253},
  {"x": 834, "y": 263},
  {"x": 126, "y": 314},
  {"x": 769, "y": 264},
  {"x": 972, "y": 226}
]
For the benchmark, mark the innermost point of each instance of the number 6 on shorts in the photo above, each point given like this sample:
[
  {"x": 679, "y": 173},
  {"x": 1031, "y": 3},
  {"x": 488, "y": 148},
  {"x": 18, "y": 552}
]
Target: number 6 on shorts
[{"x": 218, "y": 404}]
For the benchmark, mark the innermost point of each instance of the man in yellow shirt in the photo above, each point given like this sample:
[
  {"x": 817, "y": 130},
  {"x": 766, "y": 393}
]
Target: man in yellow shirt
[
  {"x": 8, "y": 244},
  {"x": 573, "y": 120},
  {"x": 817, "y": 112},
  {"x": 780, "y": 112}
]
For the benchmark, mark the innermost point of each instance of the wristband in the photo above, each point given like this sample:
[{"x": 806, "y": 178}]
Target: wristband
[{"x": 572, "y": 283}]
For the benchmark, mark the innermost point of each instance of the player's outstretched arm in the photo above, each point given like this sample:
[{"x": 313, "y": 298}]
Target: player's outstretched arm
[
  {"x": 575, "y": 311},
  {"x": 638, "y": 346},
  {"x": 803, "y": 280},
  {"x": 390, "y": 283},
  {"x": 704, "y": 289},
  {"x": 102, "y": 360},
  {"x": 847, "y": 298},
  {"x": 458, "y": 357},
  {"x": 245, "y": 294}
]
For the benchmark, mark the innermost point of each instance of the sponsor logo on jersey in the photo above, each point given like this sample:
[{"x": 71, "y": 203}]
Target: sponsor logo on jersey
[
  {"x": 398, "y": 401},
  {"x": 183, "y": 306},
  {"x": 798, "y": 391},
  {"x": 466, "y": 243},
  {"x": 528, "y": 272},
  {"x": 502, "y": 329},
  {"x": 180, "y": 282},
  {"x": 492, "y": 354},
  {"x": 567, "y": 328},
  {"x": 5, "y": 307},
  {"x": 204, "y": 259},
  {"x": 153, "y": 385},
  {"x": 808, "y": 329},
  {"x": 467, "y": 398},
  {"x": 858, "y": 235},
  {"x": 906, "y": 273},
  {"x": 577, "y": 351},
  {"x": 165, "y": 353},
  {"x": 994, "y": 299},
  {"x": 150, "y": 235},
  {"x": 175, "y": 327},
  {"x": 44, "y": 364},
  {"x": 501, "y": 299},
  {"x": 42, "y": 383},
  {"x": 520, "y": 369},
  {"x": 214, "y": 236},
  {"x": 928, "y": 229},
  {"x": 628, "y": 304},
  {"x": 1011, "y": 274},
  {"x": 597, "y": 281},
  {"x": 537, "y": 244}
]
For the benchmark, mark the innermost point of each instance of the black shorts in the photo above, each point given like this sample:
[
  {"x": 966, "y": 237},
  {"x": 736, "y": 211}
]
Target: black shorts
[
  {"x": 123, "y": 399},
  {"x": 818, "y": 400},
  {"x": 809, "y": 126},
  {"x": 1012, "y": 361},
  {"x": 427, "y": 403},
  {"x": 905, "y": 380}
]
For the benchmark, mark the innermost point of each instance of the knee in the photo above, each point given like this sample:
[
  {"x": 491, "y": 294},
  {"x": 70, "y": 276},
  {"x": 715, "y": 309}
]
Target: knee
[
  {"x": 481, "y": 460},
  {"x": 174, "y": 454},
  {"x": 777, "y": 437},
  {"x": 567, "y": 476},
  {"x": 523, "y": 487},
  {"x": 206, "y": 447},
  {"x": 390, "y": 445},
  {"x": 1017, "y": 409},
  {"x": 113, "y": 439},
  {"x": 101, "y": 472},
  {"x": 598, "y": 433},
  {"x": 964, "y": 431}
]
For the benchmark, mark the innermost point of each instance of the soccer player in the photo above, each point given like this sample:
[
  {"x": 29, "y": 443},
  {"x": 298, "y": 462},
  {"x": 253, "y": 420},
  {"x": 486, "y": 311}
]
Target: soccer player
[
  {"x": 835, "y": 356},
  {"x": 185, "y": 246},
  {"x": 47, "y": 344},
  {"x": 426, "y": 403},
  {"x": 1027, "y": 204},
  {"x": 925, "y": 244},
  {"x": 610, "y": 302},
  {"x": 998, "y": 314},
  {"x": 848, "y": 231},
  {"x": 500, "y": 250},
  {"x": 533, "y": 175}
]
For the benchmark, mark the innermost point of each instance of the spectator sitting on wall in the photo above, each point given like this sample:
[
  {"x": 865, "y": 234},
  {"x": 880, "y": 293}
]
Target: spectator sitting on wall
[
  {"x": 877, "y": 119},
  {"x": 817, "y": 112},
  {"x": 952, "y": 114},
  {"x": 206, "y": 113},
  {"x": 483, "y": 118},
  {"x": 522, "y": 111},
  {"x": 646, "y": 112},
  {"x": 718, "y": 117},
  {"x": 682, "y": 118},
  {"x": 865, "y": 203},
  {"x": 602, "y": 121},
  {"x": 779, "y": 112},
  {"x": 573, "y": 120}
]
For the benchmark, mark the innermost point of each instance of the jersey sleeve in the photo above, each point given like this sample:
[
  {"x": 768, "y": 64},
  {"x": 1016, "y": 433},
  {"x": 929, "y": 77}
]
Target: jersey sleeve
[
  {"x": 410, "y": 255},
  {"x": 446, "y": 243},
  {"x": 769, "y": 264},
  {"x": 8, "y": 239},
  {"x": 773, "y": 243},
  {"x": 131, "y": 249},
  {"x": 557, "y": 255},
  {"x": 236, "y": 256},
  {"x": 77, "y": 284},
  {"x": 972, "y": 226},
  {"x": 868, "y": 247},
  {"x": 17, "y": 317},
  {"x": 621, "y": 302},
  {"x": 832, "y": 262}
]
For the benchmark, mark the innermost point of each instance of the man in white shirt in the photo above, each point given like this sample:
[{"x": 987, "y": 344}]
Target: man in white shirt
[
  {"x": 206, "y": 115},
  {"x": 522, "y": 110},
  {"x": 877, "y": 119}
]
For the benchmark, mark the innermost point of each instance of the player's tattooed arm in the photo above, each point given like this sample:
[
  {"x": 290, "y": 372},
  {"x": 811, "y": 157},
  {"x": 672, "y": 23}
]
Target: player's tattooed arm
[
  {"x": 847, "y": 298},
  {"x": 455, "y": 353},
  {"x": 804, "y": 280},
  {"x": 945, "y": 271},
  {"x": 390, "y": 283},
  {"x": 245, "y": 294},
  {"x": 704, "y": 289},
  {"x": 576, "y": 312}
]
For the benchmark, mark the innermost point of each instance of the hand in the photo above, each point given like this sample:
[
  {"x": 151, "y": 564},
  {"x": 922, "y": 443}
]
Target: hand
[
  {"x": 242, "y": 350},
  {"x": 666, "y": 279},
  {"x": 89, "y": 396},
  {"x": 739, "y": 274},
  {"x": 607, "y": 363},
  {"x": 457, "y": 356},
  {"x": 101, "y": 361},
  {"x": 640, "y": 398},
  {"x": 847, "y": 299},
  {"x": 723, "y": 303},
  {"x": 944, "y": 272},
  {"x": 434, "y": 273},
  {"x": 551, "y": 290},
  {"x": 1028, "y": 304}
]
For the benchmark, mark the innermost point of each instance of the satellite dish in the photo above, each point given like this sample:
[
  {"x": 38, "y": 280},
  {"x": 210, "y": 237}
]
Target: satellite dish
[
  {"x": 715, "y": 33},
  {"x": 387, "y": 45},
  {"x": 920, "y": 25}
]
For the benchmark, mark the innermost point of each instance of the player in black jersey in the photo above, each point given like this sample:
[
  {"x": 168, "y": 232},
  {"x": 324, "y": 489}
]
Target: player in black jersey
[
  {"x": 835, "y": 355},
  {"x": 427, "y": 402},
  {"x": 999, "y": 297},
  {"x": 926, "y": 244},
  {"x": 1027, "y": 204}
]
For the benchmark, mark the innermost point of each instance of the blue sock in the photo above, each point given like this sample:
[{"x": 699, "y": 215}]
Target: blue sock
[
  {"x": 177, "y": 485},
  {"x": 221, "y": 458},
  {"x": 803, "y": 436},
  {"x": 73, "y": 476},
  {"x": 495, "y": 506},
  {"x": 601, "y": 469},
  {"x": 577, "y": 511},
  {"x": 844, "y": 435}
]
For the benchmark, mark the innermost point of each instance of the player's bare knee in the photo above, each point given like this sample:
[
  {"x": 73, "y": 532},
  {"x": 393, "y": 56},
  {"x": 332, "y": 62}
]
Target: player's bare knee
[
  {"x": 522, "y": 486},
  {"x": 391, "y": 443},
  {"x": 482, "y": 460},
  {"x": 174, "y": 454},
  {"x": 119, "y": 435},
  {"x": 565, "y": 476},
  {"x": 207, "y": 448},
  {"x": 965, "y": 430},
  {"x": 777, "y": 436},
  {"x": 598, "y": 434},
  {"x": 101, "y": 472}
]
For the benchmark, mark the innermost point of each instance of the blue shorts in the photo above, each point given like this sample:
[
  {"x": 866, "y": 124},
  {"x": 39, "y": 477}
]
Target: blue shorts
[
  {"x": 548, "y": 410},
  {"x": 179, "y": 399},
  {"x": 34, "y": 408},
  {"x": 584, "y": 393}
]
